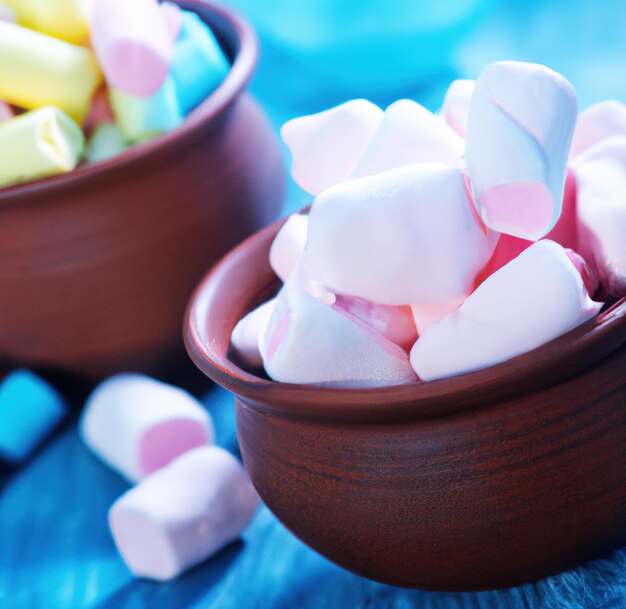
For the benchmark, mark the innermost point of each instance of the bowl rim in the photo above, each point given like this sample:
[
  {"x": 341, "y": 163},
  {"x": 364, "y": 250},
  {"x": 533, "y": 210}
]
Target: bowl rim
[
  {"x": 536, "y": 370},
  {"x": 242, "y": 42}
]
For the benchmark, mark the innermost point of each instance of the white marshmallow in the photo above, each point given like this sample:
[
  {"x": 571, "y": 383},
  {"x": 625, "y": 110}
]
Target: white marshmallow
[
  {"x": 288, "y": 245},
  {"x": 531, "y": 300},
  {"x": 601, "y": 208},
  {"x": 519, "y": 130},
  {"x": 308, "y": 341},
  {"x": 597, "y": 123},
  {"x": 248, "y": 332},
  {"x": 456, "y": 105},
  {"x": 404, "y": 236},
  {"x": 326, "y": 146},
  {"x": 182, "y": 514},
  {"x": 409, "y": 133},
  {"x": 137, "y": 425}
]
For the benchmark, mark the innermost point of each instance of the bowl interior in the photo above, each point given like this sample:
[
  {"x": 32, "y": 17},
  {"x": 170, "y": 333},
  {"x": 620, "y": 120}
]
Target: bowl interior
[{"x": 244, "y": 279}]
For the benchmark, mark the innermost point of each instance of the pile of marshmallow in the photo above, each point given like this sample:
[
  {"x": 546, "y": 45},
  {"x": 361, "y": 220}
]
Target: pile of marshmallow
[
  {"x": 441, "y": 244},
  {"x": 191, "y": 497},
  {"x": 158, "y": 61}
]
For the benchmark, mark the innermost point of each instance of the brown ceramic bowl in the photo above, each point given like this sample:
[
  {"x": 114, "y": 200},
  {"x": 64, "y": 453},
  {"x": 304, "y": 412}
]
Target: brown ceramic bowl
[
  {"x": 96, "y": 266},
  {"x": 485, "y": 480}
]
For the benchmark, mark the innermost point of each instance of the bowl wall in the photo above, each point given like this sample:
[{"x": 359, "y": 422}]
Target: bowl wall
[{"x": 97, "y": 265}]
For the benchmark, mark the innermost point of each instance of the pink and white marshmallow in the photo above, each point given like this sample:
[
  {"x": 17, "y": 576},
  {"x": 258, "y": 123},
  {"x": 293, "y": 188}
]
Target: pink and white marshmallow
[
  {"x": 133, "y": 42},
  {"x": 326, "y": 146},
  {"x": 288, "y": 245},
  {"x": 456, "y": 105},
  {"x": 519, "y": 130},
  {"x": 399, "y": 237},
  {"x": 408, "y": 134},
  {"x": 596, "y": 123},
  {"x": 247, "y": 334},
  {"x": 601, "y": 207},
  {"x": 533, "y": 299},
  {"x": 310, "y": 341},
  {"x": 183, "y": 514},
  {"x": 136, "y": 425}
]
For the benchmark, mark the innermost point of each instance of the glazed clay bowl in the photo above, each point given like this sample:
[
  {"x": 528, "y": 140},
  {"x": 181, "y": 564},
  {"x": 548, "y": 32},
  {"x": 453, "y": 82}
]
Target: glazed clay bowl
[
  {"x": 97, "y": 265},
  {"x": 485, "y": 480}
]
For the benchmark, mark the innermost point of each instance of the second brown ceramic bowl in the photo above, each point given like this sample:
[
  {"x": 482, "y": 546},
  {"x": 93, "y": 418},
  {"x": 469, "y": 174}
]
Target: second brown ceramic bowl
[
  {"x": 485, "y": 480},
  {"x": 96, "y": 265}
]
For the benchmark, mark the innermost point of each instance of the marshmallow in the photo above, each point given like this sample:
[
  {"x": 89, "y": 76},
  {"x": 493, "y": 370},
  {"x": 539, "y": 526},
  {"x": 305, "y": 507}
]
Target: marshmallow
[
  {"x": 29, "y": 410},
  {"x": 7, "y": 13},
  {"x": 248, "y": 331},
  {"x": 143, "y": 118},
  {"x": 288, "y": 245},
  {"x": 456, "y": 105},
  {"x": 37, "y": 70},
  {"x": 597, "y": 123},
  {"x": 106, "y": 141},
  {"x": 535, "y": 298},
  {"x": 425, "y": 314},
  {"x": 308, "y": 341},
  {"x": 37, "y": 144},
  {"x": 519, "y": 130},
  {"x": 63, "y": 19},
  {"x": 601, "y": 177},
  {"x": 198, "y": 63},
  {"x": 99, "y": 110},
  {"x": 565, "y": 233},
  {"x": 173, "y": 18},
  {"x": 409, "y": 133},
  {"x": 137, "y": 425},
  {"x": 404, "y": 236},
  {"x": 326, "y": 146},
  {"x": 6, "y": 112},
  {"x": 182, "y": 514},
  {"x": 133, "y": 43},
  {"x": 394, "y": 322}
]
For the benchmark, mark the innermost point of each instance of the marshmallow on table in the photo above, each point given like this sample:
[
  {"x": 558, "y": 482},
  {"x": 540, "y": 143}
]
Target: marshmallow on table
[
  {"x": 519, "y": 130},
  {"x": 37, "y": 144},
  {"x": 105, "y": 142},
  {"x": 456, "y": 105},
  {"x": 248, "y": 332},
  {"x": 596, "y": 123},
  {"x": 326, "y": 146},
  {"x": 182, "y": 514},
  {"x": 533, "y": 299},
  {"x": 309, "y": 341},
  {"x": 601, "y": 177},
  {"x": 133, "y": 43},
  {"x": 137, "y": 425},
  {"x": 403, "y": 236},
  {"x": 198, "y": 63},
  {"x": 64, "y": 19},
  {"x": 409, "y": 133},
  {"x": 288, "y": 245},
  {"x": 142, "y": 118},
  {"x": 37, "y": 70},
  {"x": 29, "y": 410}
]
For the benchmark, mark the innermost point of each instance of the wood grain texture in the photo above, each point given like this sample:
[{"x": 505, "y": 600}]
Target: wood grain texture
[
  {"x": 489, "y": 479},
  {"x": 98, "y": 264}
]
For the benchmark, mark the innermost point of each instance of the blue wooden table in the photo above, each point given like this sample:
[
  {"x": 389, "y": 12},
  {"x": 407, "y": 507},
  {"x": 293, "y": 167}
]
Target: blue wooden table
[{"x": 56, "y": 553}]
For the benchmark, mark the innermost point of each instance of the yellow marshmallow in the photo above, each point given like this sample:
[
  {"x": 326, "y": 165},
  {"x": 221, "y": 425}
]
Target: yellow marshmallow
[
  {"x": 63, "y": 19},
  {"x": 37, "y": 70},
  {"x": 37, "y": 144}
]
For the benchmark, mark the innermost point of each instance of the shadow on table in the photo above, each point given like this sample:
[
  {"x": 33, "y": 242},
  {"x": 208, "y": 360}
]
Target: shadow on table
[{"x": 182, "y": 592}]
